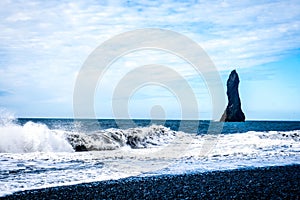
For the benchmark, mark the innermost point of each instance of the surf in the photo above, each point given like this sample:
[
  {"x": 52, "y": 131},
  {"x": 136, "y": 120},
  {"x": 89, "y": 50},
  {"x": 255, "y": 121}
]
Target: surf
[{"x": 37, "y": 137}]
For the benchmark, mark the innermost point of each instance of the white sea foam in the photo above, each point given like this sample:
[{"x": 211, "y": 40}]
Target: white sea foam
[{"x": 31, "y": 137}]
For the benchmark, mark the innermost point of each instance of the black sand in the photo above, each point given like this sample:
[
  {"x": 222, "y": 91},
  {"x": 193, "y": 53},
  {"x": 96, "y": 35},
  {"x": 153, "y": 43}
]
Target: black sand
[{"x": 280, "y": 182}]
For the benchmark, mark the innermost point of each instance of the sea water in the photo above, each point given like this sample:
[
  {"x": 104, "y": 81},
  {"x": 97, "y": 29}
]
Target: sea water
[{"x": 39, "y": 153}]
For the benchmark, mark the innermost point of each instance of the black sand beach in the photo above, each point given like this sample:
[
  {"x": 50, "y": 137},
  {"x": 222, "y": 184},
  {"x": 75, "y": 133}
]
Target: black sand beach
[{"x": 278, "y": 182}]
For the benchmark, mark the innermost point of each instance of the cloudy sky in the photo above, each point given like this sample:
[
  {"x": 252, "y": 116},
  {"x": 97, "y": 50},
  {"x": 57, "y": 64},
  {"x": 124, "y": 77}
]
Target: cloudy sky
[{"x": 44, "y": 44}]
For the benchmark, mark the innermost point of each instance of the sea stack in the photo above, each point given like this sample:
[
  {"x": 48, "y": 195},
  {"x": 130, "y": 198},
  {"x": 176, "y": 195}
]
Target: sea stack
[{"x": 233, "y": 112}]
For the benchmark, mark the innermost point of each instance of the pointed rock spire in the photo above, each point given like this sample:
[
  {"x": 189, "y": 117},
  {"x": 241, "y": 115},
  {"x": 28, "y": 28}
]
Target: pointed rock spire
[{"x": 233, "y": 112}]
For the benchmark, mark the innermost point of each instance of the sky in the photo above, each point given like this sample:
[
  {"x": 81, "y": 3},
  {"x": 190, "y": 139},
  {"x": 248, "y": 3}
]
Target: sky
[{"x": 44, "y": 44}]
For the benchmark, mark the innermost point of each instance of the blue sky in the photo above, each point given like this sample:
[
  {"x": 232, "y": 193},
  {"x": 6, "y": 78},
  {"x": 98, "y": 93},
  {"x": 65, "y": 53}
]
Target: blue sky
[{"x": 43, "y": 45}]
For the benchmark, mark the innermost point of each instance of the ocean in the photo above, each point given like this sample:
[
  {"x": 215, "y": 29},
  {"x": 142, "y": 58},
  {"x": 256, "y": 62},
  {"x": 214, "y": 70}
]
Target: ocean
[{"x": 42, "y": 153}]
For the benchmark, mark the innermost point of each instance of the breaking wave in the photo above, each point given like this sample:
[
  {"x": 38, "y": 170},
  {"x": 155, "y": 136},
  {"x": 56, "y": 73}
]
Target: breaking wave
[
  {"x": 32, "y": 137},
  {"x": 110, "y": 139},
  {"x": 36, "y": 137}
]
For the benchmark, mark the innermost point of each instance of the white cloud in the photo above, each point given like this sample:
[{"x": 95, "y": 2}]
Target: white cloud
[{"x": 43, "y": 44}]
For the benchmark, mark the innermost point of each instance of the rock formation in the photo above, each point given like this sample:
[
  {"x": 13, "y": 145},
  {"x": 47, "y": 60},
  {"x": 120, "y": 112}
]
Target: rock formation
[{"x": 233, "y": 112}]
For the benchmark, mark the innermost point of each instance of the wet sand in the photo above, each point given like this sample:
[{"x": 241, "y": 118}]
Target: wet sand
[{"x": 278, "y": 182}]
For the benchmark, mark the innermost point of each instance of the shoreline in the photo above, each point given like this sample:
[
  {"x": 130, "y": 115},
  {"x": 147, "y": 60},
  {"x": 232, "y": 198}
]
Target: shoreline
[{"x": 266, "y": 182}]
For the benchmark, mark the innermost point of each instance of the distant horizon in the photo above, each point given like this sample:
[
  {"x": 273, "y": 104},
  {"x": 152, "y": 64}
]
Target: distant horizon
[{"x": 170, "y": 119}]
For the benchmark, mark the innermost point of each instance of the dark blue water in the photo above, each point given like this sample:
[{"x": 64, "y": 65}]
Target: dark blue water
[{"x": 188, "y": 126}]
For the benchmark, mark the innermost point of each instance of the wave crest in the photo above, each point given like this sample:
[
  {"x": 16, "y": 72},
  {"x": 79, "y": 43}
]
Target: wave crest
[
  {"x": 110, "y": 139},
  {"x": 36, "y": 137},
  {"x": 32, "y": 137}
]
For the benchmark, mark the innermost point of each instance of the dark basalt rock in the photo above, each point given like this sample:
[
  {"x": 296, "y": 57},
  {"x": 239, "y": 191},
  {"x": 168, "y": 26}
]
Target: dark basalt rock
[
  {"x": 233, "y": 112},
  {"x": 80, "y": 148}
]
